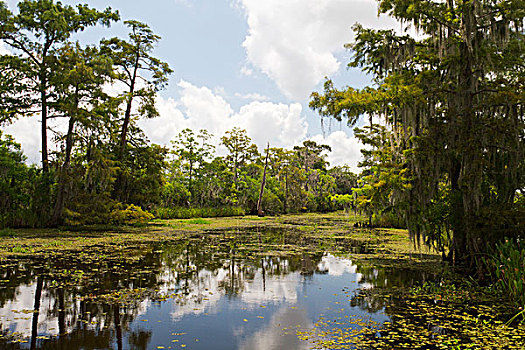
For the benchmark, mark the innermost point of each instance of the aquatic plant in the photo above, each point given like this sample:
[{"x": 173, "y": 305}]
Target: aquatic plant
[{"x": 507, "y": 264}]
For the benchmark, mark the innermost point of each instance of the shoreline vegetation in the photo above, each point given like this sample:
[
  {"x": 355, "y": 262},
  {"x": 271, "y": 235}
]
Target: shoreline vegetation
[
  {"x": 472, "y": 314},
  {"x": 443, "y": 163}
]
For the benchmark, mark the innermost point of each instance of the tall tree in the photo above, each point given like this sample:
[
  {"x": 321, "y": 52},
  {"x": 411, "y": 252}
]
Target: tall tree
[
  {"x": 241, "y": 150},
  {"x": 40, "y": 28},
  {"x": 383, "y": 175},
  {"x": 192, "y": 152},
  {"x": 454, "y": 98},
  {"x": 311, "y": 158},
  {"x": 78, "y": 81},
  {"x": 142, "y": 74}
]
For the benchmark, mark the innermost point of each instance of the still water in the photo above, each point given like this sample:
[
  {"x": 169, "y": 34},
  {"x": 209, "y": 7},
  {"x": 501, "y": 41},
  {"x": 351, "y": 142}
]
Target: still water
[{"x": 216, "y": 291}]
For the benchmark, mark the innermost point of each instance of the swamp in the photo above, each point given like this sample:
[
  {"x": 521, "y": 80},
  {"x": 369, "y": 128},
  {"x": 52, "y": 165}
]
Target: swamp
[
  {"x": 171, "y": 176},
  {"x": 310, "y": 281}
]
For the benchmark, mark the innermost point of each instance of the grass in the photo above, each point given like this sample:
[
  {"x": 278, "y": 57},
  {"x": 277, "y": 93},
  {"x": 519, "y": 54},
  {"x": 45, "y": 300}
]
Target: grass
[{"x": 199, "y": 221}]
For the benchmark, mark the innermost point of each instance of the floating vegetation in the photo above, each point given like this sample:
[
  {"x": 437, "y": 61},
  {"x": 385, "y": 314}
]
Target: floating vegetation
[
  {"x": 445, "y": 315},
  {"x": 386, "y": 294}
]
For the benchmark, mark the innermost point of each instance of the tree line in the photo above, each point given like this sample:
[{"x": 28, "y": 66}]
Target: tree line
[{"x": 104, "y": 169}]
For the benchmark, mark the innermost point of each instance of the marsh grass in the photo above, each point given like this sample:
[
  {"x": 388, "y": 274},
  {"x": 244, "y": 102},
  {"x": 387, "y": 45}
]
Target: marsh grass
[
  {"x": 199, "y": 221},
  {"x": 7, "y": 232}
]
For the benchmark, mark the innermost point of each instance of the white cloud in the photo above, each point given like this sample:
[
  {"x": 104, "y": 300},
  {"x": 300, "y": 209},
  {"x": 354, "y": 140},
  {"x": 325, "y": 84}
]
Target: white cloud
[
  {"x": 280, "y": 124},
  {"x": 274, "y": 336},
  {"x": 345, "y": 149},
  {"x": 204, "y": 108},
  {"x": 294, "y": 41},
  {"x": 335, "y": 266},
  {"x": 246, "y": 71},
  {"x": 200, "y": 108},
  {"x": 253, "y": 97},
  {"x": 4, "y": 50},
  {"x": 283, "y": 125},
  {"x": 208, "y": 288},
  {"x": 26, "y": 132},
  {"x": 164, "y": 128}
]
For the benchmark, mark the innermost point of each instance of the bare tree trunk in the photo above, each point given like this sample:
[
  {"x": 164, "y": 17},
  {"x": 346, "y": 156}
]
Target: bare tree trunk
[
  {"x": 125, "y": 125},
  {"x": 263, "y": 183},
  {"x": 285, "y": 204}
]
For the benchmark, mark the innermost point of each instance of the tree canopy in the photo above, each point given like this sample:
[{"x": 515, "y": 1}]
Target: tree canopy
[
  {"x": 36, "y": 34},
  {"x": 452, "y": 98}
]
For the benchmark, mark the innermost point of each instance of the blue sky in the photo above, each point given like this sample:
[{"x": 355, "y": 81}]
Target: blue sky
[{"x": 247, "y": 63}]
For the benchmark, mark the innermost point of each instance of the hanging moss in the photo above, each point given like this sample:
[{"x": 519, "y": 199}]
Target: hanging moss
[{"x": 454, "y": 97}]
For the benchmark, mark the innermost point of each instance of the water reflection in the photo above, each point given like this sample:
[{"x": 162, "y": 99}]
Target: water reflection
[{"x": 216, "y": 291}]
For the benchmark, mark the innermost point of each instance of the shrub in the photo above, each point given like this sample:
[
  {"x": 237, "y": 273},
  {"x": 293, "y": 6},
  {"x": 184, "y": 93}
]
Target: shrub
[
  {"x": 342, "y": 201},
  {"x": 130, "y": 215}
]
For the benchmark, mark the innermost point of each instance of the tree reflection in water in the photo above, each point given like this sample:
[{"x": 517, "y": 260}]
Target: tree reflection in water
[{"x": 94, "y": 299}]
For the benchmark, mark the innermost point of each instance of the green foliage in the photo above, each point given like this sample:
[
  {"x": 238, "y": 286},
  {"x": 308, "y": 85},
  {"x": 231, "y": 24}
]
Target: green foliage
[
  {"x": 7, "y": 232},
  {"x": 383, "y": 178},
  {"x": 143, "y": 74},
  {"x": 453, "y": 101},
  {"x": 92, "y": 170},
  {"x": 25, "y": 199},
  {"x": 342, "y": 201},
  {"x": 188, "y": 213},
  {"x": 130, "y": 215},
  {"x": 192, "y": 152},
  {"x": 507, "y": 263},
  {"x": 141, "y": 175},
  {"x": 103, "y": 162},
  {"x": 36, "y": 34},
  {"x": 345, "y": 179},
  {"x": 13, "y": 177},
  {"x": 241, "y": 152}
]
